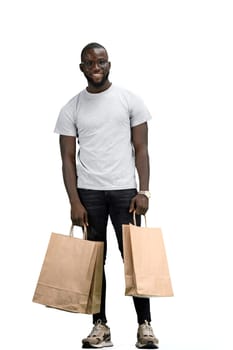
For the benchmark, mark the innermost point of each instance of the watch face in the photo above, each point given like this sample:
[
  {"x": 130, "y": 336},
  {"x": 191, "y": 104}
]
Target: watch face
[{"x": 146, "y": 193}]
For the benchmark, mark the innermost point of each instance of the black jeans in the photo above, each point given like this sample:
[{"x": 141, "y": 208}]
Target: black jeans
[{"x": 101, "y": 205}]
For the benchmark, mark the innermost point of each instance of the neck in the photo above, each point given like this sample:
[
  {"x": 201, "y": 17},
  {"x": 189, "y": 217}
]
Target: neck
[{"x": 97, "y": 89}]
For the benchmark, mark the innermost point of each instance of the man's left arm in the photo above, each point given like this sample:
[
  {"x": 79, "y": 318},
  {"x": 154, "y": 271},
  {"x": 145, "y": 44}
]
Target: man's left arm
[{"x": 139, "y": 135}]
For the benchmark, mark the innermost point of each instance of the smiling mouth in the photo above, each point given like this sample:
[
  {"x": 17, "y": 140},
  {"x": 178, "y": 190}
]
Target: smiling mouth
[{"x": 97, "y": 75}]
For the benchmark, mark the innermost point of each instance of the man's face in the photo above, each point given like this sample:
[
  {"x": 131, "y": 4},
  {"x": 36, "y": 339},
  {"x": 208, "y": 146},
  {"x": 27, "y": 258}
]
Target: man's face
[{"x": 95, "y": 66}]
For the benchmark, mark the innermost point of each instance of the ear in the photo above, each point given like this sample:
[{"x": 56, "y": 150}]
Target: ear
[
  {"x": 109, "y": 64},
  {"x": 81, "y": 67}
]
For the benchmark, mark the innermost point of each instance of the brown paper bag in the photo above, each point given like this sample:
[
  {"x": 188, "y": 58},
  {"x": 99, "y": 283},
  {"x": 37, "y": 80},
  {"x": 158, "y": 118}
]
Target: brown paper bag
[
  {"x": 94, "y": 298},
  {"x": 71, "y": 274},
  {"x": 145, "y": 262}
]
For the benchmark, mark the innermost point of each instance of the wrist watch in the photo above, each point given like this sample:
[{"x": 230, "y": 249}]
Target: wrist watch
[{"x": 145, "y": 193}]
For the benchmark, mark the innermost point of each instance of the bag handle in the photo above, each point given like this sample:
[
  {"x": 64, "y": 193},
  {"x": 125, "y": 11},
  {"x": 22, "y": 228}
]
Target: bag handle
[
  {"x": 134, "y": 218},
  {"x": 71, "y": 234}
]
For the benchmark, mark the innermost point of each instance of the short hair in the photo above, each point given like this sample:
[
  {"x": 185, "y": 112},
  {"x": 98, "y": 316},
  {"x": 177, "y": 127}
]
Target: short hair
[{"x": 91, "y": 46}]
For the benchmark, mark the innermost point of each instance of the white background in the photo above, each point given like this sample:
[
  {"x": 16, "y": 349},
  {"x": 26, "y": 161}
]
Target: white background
[{"x": 178, "y": 56}]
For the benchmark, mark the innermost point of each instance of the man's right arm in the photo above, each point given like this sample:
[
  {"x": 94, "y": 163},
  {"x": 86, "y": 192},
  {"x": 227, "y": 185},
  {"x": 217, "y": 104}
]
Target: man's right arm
[{"x": 68, "y": 155}]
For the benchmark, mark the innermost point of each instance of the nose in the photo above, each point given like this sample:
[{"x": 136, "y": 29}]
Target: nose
[{"x": 96, "y": 67}]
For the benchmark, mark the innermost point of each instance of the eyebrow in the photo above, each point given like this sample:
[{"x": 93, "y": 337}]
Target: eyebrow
[{"x": 99, "y": 56}]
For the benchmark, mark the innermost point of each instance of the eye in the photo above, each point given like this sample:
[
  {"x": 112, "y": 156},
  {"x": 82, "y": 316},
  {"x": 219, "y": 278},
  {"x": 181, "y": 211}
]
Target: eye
[
  {"x": 87, "y": 64},
  {"x": 102, "y": 62}
]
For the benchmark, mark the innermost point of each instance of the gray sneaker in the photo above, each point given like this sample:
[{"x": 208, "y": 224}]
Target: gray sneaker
[
  {"x": 146, "y": 338},
  {"x": 99, "y": 337}
]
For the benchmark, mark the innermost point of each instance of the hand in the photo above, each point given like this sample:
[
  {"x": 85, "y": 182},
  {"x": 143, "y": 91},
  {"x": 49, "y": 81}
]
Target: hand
[
  {"x": 79, "y": 215},
  {"x": 140, "y": 204}
]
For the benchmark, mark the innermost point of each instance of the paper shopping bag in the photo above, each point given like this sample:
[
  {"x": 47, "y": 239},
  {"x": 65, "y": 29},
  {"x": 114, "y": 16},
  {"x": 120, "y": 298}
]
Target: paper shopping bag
[
  {"x": 145, "y": 262},
  {"x": 71, "y": 274},
  {"x": 94, "y": 298}
]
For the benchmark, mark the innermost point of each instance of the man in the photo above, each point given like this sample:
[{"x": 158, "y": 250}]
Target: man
[{"x": 110, "y": 125}]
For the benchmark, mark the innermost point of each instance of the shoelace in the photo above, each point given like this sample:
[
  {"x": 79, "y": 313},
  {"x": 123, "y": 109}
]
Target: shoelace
[
  {"x": 96, "y": 329},
  {"x": 148, "y": 329}
]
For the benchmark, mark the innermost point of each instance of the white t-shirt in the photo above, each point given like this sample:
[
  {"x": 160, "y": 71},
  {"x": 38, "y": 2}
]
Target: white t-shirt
[{"x": 102, "y": 123}]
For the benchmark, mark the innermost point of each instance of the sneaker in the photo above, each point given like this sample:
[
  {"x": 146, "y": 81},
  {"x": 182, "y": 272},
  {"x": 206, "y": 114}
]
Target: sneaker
[
  {"x": 99, "y": 337},
  {"x": 145, "y": 337}
]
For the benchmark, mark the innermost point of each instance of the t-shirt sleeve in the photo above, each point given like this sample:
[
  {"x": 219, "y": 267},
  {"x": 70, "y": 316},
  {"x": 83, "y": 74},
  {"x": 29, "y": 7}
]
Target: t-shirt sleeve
[
  {"x": 65, "y": 124},
  {"x": 138, "y": 111}
]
